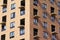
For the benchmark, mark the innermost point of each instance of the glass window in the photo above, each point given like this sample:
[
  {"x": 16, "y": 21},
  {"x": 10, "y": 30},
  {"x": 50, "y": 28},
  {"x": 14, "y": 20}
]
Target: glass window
[
  {"x": 44, "y": 15},
  {"x": 45, "y": 35},
  {"x": 35, "y": 21},
  {"x": 44, "y": 6},
  {"x": 11, "y": 34},
  {"x": 45, "y": 24},
  {"x": 35, "y": 2},
  {"x": 58, "y": 12},
  {"x": 22, "y": 31},
  {"x": 13, "y": 15},
  {"x": 52, "y": 18},
  {"x": 13, "y": 6},
  {"x": 4, "y": 9},
  {"x": 3, "y": 27},
  {"x": 22, "y": 11},
  {"x": 58, "y": 4},
  {"x": 52, "y": 1},
  {"x": 12, "y": 24},
  {"x": 54, "y": 37},
  {"x": 4, "y": 18}
]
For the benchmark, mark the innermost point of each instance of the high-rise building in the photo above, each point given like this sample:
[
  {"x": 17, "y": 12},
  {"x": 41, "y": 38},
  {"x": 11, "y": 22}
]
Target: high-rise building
[{"x": 29, "y": 19}]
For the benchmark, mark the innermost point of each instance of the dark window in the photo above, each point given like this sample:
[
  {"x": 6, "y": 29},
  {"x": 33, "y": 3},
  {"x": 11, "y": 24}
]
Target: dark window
[
  {"x": 52, "y": 28},
  {"x": 35, "y": 31},
  {"x": 35, "y": 21},
  {"x": 53, "y": 18},
  {"x": 3, "y": 27},
  {"x": 3, "y": 37},
  {"x": 44, "y": 15},
  {"x": 45, "y": 25},
  {"x": 22, "y": 22},
  {"x": 35, "y": 11},
  {"x": 4, "y": 19},
  {"x": 45, "y": 35},
  {"x": 5, "y": 1},
  {"x": 22, "y": 31},
  {"x": 23, "y": 3},
  {"x": 12, "y": 24},
  {"x": 52, "y": 10}
]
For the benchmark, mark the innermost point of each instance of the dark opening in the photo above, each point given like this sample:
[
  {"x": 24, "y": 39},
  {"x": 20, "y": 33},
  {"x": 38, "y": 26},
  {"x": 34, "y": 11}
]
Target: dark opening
[
  {"x": 35, "y": 11},
  {"x": 3, "y": 37},
  {"x": 23, "y": 3},
  {"x": 22, "y": 22},
  {"x": 4, "y": 18},
  {"x": 52, "y": 10},
  {"x": 35, "y": 31},
  {"x": 52, "y": 28},
  {"x": 5, "y": 1},
  {"x": 3, "y": 27}
]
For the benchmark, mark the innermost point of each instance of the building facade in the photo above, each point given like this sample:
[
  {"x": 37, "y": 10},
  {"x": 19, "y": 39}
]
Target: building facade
[{"x": 29, "y": 19}]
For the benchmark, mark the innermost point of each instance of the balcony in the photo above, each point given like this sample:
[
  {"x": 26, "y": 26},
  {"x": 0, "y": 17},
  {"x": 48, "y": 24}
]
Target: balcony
[
  {"x": 54, "y": 33},
  {"x": 22, "y": 23},
  {"x": 2, "y": 22},
  {"x": 36, "y": 16},
  {"x": 53, "y": 14}
]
